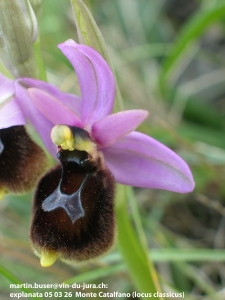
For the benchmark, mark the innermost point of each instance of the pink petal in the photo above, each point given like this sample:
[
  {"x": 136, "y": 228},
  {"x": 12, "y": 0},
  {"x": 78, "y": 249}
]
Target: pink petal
[
  {"x": 70, "y": 100},
  {"x": 139, "y": 160},
  {"x": 73, "y": 102},
  {"x": 11, "y": 114},
  {"x": 53, "y": 109},
  {"x": 42, "y": 125},
  {"x": 96, "y": 81},
  {"x": 6, "y": 88},
  {"x": 113, "y": 127}
]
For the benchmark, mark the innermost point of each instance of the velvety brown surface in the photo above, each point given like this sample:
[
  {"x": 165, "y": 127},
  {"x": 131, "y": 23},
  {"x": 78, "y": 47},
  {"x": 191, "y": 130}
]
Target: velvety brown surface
[
  {"x": 89, "y": 236},
  {"x": 21, "y": 161}
]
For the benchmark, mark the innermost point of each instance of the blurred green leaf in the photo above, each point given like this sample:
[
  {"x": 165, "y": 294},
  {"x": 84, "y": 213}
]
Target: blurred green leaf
[
  {"x": 188, "y": 34},
  {"x": 40, "y": 63},
  {"x": 202, "y": 133},
  {"x": 96, "y": 274},
  {"x": 87, "y": 29},
  {"x": 191, "y": 255},
  {"x": 199, "y": 278},
  {"x": 203, "y": 114},
  {"x": 14, "y": 280},
  {"x": 132, "y": 250}
]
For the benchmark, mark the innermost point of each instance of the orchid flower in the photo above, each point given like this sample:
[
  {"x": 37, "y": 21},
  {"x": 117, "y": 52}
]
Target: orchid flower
[{"x": 73, "y": 216}]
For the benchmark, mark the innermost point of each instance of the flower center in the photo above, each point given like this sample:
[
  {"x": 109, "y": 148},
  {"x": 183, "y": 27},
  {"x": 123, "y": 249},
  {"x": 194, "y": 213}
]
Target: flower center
[{"x": 73, "y": 138}]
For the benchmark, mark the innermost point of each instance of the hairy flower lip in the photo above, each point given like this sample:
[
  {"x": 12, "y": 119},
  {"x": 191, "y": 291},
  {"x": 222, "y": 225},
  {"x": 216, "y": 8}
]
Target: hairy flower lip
[
  {"x": 83, "y": 216},
  {"x": 22, "y": 161}
]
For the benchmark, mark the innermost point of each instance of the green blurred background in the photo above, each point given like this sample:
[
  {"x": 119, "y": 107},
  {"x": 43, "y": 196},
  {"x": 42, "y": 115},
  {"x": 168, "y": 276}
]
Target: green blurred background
[{"x": 169, "y": 58}]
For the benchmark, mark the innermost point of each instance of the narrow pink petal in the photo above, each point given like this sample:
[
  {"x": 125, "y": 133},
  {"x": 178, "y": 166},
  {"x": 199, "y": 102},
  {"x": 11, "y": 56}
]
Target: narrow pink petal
[
  {"x": 6, "y": 88},
  {"x": 70, "y": 100},
  {"x": 53, "y": 109},
  {"x": 96, "y": 81},
  {"x": 113, "y": 127},
  {"x": 139, "y": 160},
  {"x": 42, "y": 125},
  {"x": 11, "y": 114}
]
